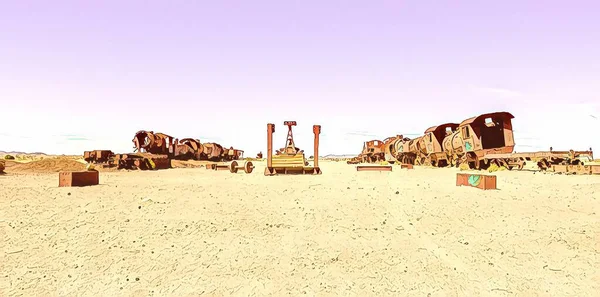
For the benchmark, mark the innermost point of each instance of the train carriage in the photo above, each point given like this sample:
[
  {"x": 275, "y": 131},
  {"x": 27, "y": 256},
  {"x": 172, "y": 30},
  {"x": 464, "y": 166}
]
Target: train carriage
[
  {"x": 478, "y": 142},
  {"x": 434, "y": 144},
  {"x": 481, "y": 135}
]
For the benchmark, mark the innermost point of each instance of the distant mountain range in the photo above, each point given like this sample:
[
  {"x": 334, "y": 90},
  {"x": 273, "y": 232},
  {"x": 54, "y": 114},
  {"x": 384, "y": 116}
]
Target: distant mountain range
[
  {"x": 22, "y": 153},
  {"x": 339, "y": 156}
]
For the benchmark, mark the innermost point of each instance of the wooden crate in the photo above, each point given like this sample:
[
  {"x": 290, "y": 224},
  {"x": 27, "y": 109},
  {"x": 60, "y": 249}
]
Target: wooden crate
[
  {"x": 480, "y": 181},
  {"x": 78, "y": 178}
]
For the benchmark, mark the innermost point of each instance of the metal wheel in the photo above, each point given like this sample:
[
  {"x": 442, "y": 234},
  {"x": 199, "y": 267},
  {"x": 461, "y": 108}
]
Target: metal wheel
[{"x": 233, "y": 167}]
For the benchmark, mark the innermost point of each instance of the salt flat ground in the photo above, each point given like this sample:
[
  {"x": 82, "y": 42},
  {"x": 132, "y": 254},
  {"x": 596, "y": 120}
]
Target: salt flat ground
[{"x": 191, "y": 232}]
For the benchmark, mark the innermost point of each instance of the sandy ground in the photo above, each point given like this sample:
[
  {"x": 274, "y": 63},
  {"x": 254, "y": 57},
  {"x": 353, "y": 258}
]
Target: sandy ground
[{"x": 191, "y": 232}]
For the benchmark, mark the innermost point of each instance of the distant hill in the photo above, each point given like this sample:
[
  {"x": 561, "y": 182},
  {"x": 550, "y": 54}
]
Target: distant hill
[
  {"x": 346, "y": 156},
  {"x": 22, "y": 153}
]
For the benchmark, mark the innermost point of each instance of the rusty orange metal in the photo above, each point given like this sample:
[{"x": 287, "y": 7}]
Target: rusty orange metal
[
  {"x": 480, "y": 181},
  {"x": 248, "y": 167},
  {"x": 434, "y": 138},
  {"x": 373, "y": 151},
  {"x": 154, "y": 143},
  {"x": 97, "y": 156},
  {"x": 78, "y": 178},
  {"x": 373, "y": 168},
  {"x": 290, "y": 159}
]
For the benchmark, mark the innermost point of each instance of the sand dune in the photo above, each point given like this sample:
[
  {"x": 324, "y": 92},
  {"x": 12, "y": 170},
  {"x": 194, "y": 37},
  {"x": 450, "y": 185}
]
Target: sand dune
[{"x": 182, "y": 232}]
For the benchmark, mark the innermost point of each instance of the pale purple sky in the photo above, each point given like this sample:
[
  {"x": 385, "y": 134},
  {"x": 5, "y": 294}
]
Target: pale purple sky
[{"x": 81, "y": 75}]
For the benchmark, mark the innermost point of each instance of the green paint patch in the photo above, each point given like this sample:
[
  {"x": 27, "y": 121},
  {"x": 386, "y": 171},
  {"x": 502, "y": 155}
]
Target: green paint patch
[
  {"x": 468, "y": 146},
  {"x": 474, "y": 180}
]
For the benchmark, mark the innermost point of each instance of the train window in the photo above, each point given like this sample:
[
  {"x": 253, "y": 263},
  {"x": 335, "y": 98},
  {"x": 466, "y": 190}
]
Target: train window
[
  {"x": 430, "y": 139},
  {"x": 489, "y": 122},
  {"x": 465, "y": 132},
  {"x": 448, "y": 131}
]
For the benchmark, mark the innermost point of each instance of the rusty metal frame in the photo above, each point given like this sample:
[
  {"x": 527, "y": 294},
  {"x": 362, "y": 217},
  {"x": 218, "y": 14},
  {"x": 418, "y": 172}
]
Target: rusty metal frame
[{"x": 290, "y": 149}]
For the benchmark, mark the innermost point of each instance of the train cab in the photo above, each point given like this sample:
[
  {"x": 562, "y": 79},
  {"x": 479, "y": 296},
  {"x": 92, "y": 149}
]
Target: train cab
[
  {"x": 491, "y": 132},
  {"x": 434, "y": 137}
]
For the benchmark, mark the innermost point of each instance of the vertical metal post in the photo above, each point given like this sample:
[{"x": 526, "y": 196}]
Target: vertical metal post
[
  {"x": 316, "y": 131},
  {"x": 270, "y": 130}
]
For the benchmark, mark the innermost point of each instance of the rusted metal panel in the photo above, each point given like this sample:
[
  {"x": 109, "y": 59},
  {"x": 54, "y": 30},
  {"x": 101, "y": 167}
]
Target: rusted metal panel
[
  {"x": 503, "y": 114},
  {"x": 547, "y": 154},
  {"x": 78, "y": 178},
  {"x": 480, "y": 181},
  {"x": 560, "y": 168},
  {"x": 97, "y": 156},
  {"x": 213, "y": 151},
  {"x": 373, "y": 168},
  {"x": 436, "y": 141},
  {"x": 154, "y": 143},
  {"x": 390, "y": 148},
  {"x": 406, "y": 166},
  {"x": 580, "y": 169},
  {"x": 576, "y": 169}
]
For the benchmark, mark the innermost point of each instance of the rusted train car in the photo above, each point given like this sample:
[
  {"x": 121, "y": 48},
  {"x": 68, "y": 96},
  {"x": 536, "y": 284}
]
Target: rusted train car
[
  {"x": 373, "y": 151},
  {"x": 481, "y": 135},
  {"x": 453, "y": 144},
  {"x": 438, "y": 144},
  {"x": 390, "y": 147},
  {"x": 184, "y": 149},
  {"x": 155, "y": 150},
  {"x": 479, "y": 142},
  {"x": 410, "y": 151}
]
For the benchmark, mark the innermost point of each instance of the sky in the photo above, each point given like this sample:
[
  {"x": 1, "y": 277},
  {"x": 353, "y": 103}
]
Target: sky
[{"x": 84, "y": 75}]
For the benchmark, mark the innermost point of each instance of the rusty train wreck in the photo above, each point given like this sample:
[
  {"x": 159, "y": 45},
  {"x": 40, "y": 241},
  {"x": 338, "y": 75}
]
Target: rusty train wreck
[
  {"x": 156, "y": 150},
  {"x": 478, "y": 142}
]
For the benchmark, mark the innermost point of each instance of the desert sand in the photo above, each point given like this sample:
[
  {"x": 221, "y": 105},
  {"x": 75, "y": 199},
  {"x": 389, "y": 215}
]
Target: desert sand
[{"x": 191, "y": 232}]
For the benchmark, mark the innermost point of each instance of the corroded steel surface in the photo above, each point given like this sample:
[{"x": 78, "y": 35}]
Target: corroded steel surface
[
  {"x": 97, "y": 156},
  {"x": 373, "y": 151},
  {"x": 154, "y": 143},
  {"x": 480, "y": 181},
  {"x": 212, "y": 151},
  {"x": 373, "y": 168},
  {"x": 78, "y": 178}
]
